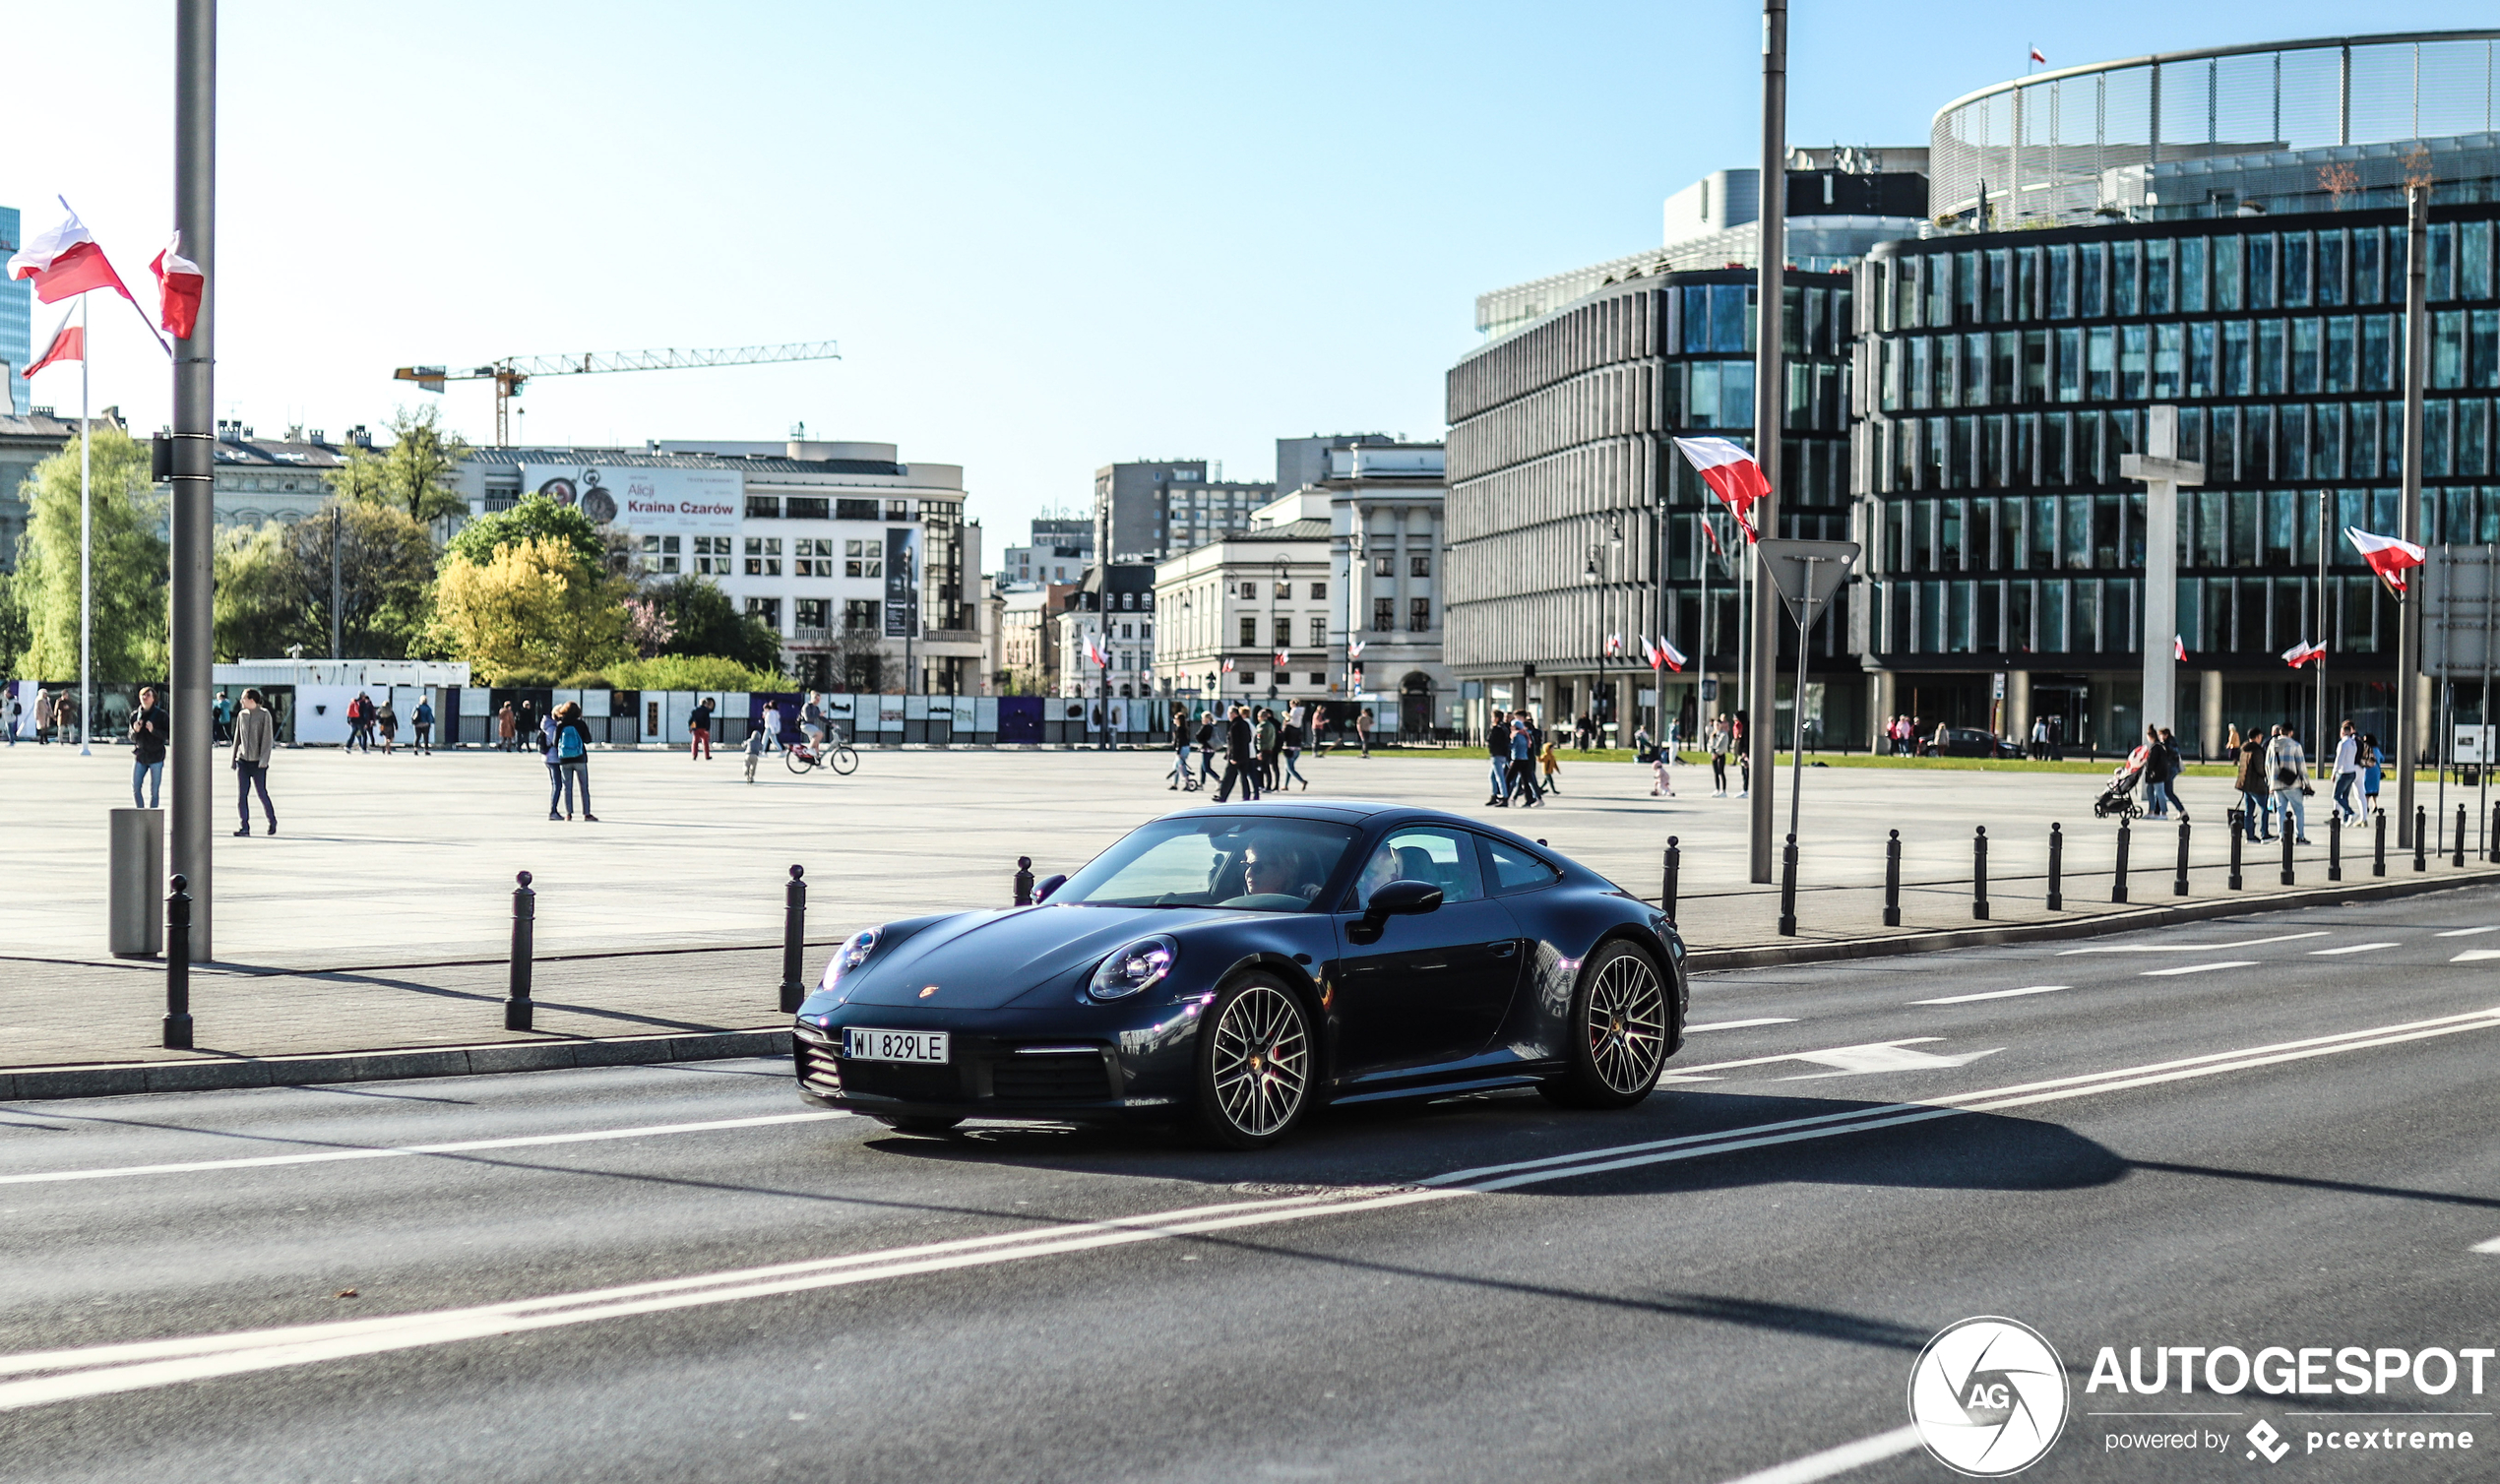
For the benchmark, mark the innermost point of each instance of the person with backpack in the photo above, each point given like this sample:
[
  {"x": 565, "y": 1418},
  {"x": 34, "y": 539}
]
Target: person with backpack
[
  {"x": 2288, "y": 767},
  {"x": 423, "y": 720},
  {"x": 1181, "y": 744},
  {"x": 754, "y": 750},
  {"x": 699, "y": 733},
  {"x": 386, "y": 720},
  {"x": 2253, "y": 792},
  {"x": 569, "y": 760}
]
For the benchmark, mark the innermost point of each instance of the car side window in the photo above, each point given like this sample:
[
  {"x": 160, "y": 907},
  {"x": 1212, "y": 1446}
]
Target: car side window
[
  {"x": 1437, "y": 857},
  {"x": 1513, "y": 870}
]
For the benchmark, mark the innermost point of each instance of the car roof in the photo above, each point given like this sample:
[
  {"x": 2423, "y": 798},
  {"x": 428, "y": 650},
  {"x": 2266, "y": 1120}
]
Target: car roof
[{"x": 1358, "y": 812}]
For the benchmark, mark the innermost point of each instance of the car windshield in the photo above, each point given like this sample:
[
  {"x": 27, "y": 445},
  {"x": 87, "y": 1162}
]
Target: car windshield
[{"x": 1247, "y": 862}]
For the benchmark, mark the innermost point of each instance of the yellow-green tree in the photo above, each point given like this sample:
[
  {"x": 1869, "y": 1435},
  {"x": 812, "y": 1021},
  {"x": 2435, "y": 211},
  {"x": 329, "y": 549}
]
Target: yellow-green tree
[
  {"x": 130, "y": 564},
  {"x": 413, "y": 474},
  {"x": 530, "y": 608}
]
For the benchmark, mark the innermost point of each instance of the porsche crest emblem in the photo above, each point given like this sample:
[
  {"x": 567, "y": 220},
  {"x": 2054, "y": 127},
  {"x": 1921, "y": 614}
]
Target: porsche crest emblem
[{"x": 927, "y": 990}]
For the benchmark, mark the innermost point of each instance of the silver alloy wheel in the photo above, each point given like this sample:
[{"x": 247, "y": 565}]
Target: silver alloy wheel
[
  {"x": 1262, "y": 1061},
  {"x": 1627, "y": 1023}
]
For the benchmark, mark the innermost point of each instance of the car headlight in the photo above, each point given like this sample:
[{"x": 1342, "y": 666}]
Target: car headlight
[
  {"x": 1140, "y": 965},
  {"x": 854, "y": 951}
]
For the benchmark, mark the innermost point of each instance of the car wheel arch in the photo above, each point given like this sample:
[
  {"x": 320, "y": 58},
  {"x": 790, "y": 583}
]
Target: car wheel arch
[{"x": 1659, "y": 956}]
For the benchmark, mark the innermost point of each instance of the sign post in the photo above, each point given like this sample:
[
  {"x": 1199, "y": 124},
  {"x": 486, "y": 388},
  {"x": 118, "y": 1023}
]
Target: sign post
[
  {"x": 2161, "y": 472},
  {"x": 1807, "y": 574}
]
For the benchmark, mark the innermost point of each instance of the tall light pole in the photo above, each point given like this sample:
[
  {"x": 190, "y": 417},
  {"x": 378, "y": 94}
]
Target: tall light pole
[
  {"x": 2408, "y": 520},
  {"x": 194, "y": 463},
  {"x": 1770, "y": 388}
]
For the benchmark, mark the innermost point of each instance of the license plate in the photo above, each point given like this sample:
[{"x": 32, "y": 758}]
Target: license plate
[{"x": 895, "y": 1045}]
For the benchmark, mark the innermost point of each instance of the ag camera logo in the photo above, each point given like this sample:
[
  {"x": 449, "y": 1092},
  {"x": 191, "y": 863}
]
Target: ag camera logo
[{"x": 1988, "y": 1396}]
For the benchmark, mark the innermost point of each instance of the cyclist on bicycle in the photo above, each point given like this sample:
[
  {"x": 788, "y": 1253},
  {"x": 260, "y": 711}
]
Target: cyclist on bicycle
[{"x": 811, "y": 719}]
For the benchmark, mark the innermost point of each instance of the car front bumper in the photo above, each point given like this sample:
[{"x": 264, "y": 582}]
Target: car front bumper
[{"x": 1006, "y": 1063}]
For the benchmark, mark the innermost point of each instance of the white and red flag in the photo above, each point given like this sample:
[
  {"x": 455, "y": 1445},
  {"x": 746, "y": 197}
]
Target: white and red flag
[
  {"x": 1731, "y": 474},
  {"x": 1353, "y": 649},
  {"x": 1283, "y": 657},
  {"x": 1614, "y": 645},
  {"x": 2178, "y": 647},
  {"x": 1095, "y": 655},
  {"x": 2305, "y": 653},
  {"x": 1227, "y": 666},
  {"x": 69, "y": 343},
  {"x": 66, "y": 261},
  {"x": 2390, "y": 557},
  {"x": 180, "y": 285},
  {"x": 1666, "y": 654},
  {"x": 2038, "y": 57}
]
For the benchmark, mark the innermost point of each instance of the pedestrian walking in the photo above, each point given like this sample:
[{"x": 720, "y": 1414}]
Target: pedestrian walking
[
  {"x": 1745, "y": 759},
  {"x": 2254, "y": 795},
  {"x": 2040, "y": 740},
  {"x": 44, "y": 712},
  {"x": 1523, "y": 780},
  {"x": 754, "y": 750},
  {"x": 2373, "y": 772},
  {"x": 1209, "y": 742},
  {"x": 1718, "y": 756},
  {"x": 147, "y": 750},
  {"x": 1240, "y": 740},
  {"x": 1271, "y": 746},
  {"x": 360, "y": 722},
  {"x": 1293, "y": 751},
  {"x": 255, "y": 740},
  {"x": 533, "y": 727},
  {"x": 424, "y": 722},
  {"x": 2347, "y": 772},
  {"x": 699, "y": 732},
  {"x": 2287, "y": 767},
  {"x": 2156, "y": 781},
  {"x": 1182, "y": 741},
  {"x": 506, "y": 728},
  {"x": 385, "y": 720},
  {"x": 2176, "y": 766},
  {"x": 569, "y": 750},
  {"x": 1363, "y": 731},
  {"x": 14, "y": 711},
  {"x": 221, "y": 716},
  {"x": 1552, "y": 765}
]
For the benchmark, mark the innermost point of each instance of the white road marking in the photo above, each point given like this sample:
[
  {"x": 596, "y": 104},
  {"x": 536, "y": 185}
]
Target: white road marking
[
  {"x": 1741, "y": 1024},
  {"x": 2186, "y": 948},
  {"x": 325, "y": 1156},
  {"x": 2475, "y": 955},
  {"x": 2466, "y": 932},
  {"x": 1692, "y": 1073},
  {"x": 2349, "y": 947},
  {"x": 1858, "y": 1061},
  {"x": 1837, "y": 1460},
  {"x": 1996, "y": 994},
  {"x": 2491, "y": 1246},
  {"x": 100, "y": 1370},
  {"x": 2197, "y": 968}
]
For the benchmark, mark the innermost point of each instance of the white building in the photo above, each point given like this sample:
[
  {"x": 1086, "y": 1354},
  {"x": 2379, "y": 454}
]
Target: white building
[
  {"x": 1115, "y": 607},
  {"x": 855, "y": 558},
  {"x": 1386, "y": 534},
  {"x": 1247, "y": 598}
]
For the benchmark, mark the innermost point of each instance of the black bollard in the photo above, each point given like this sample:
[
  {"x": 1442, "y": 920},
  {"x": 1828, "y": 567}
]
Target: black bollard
[
  {"x": 2237, "y": 819},
  {"x": 2492, "y": 840},
  {"x": 525, "y": 927},
  {"x": 2056, "y": 868},
  {"x": 2334, "y": 846},
  {"x": 1980, "y": 874},
  {"x": 2118, "y": 884},
  {"x": 2178, "y": 888},
  {"x": 2421, "y": 836},
  {"x": 1024, "y": 881},
  {"x": 2458, "y": 857},
  {"x": 1675, "y": 867},
  {"x": 1788, "y": 889},
  {"x": 2288, "y": 836},
  {"x": 178, "y": 1037},
  {"x": 794, "y": 941},
  {"x": 2378, "y": 851},
  {"x": 1891, "y": 880}
]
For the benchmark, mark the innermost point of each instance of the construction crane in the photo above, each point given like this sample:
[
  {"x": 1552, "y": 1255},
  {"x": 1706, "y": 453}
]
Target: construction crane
[{"x": 512, "y": 372}]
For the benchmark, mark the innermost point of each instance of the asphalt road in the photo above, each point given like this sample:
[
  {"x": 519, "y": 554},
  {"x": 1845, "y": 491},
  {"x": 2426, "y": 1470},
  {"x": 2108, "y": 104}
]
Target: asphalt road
[{"x": 2274, "y": 1131}]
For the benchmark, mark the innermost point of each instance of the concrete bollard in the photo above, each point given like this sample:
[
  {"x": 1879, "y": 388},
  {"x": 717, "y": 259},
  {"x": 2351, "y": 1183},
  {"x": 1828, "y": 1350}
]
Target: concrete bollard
[
  {"x": 1674, "y": 868},
  {"x": 2179, "y": 887},
  {"x": 1980, "y": 874},
  {"x": 794, "y": 941},
  {"x": 2118, "y": 883},
  {"x": 1024, "y": 881},
  {"x": 517, "y": 1011},
  {"x": 1892, "y": 880},
  {"x": 178, "y": 1024}
]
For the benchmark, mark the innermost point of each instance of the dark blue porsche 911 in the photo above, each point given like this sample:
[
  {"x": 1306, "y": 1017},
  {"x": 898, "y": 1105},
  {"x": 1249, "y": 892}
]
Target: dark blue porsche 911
[{"x": 1231, "y": 967}]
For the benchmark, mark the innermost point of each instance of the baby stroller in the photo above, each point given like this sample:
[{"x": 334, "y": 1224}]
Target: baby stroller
[{"x": 2119, "y": 797}]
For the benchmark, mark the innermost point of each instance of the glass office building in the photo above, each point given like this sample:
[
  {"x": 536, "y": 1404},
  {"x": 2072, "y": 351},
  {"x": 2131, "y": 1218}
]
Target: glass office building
[
  {"x": 17, "y": 317},
  {"x": 2003, "y": 373}
]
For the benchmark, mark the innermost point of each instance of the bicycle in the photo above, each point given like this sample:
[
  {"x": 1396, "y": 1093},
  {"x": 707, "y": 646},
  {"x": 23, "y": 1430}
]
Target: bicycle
[
  {"x": 1190, "y": 780},
  {"x": 807, "y": 754}
]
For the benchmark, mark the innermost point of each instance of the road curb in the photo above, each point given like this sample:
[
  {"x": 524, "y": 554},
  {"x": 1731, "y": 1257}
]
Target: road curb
[
  {"x": 121, "y": 1079},
  {"x": 1705, "y": 961}
]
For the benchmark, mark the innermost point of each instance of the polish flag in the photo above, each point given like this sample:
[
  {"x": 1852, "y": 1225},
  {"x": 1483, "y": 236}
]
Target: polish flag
[
  {"x": 1711, "y": 531},
  {"x": 1095, "y": 655},
  {"x": 1282, "y": 657},
  {"x": 69, "y": 343},
  {"x": 1227, "y": 666},
  {"x": 1353, "y": 649},
  {"x": 1669, "y": 655},
  {"x": 2036, "y": 56},
  {"x": 179, "y": 285},
  {"x": 1731, "y": 474},
  {"x": 66, "y": 261},
  {"x": 1614, "y": 644},
  {"x": 2178, "y": 647},
  {"x": 2387, "y": 556},
  {"x": 2303, "y": 652}
]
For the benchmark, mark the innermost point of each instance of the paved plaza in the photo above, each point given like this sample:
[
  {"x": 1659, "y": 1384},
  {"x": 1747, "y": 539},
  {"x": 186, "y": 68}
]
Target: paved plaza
[{"x": 380, "y": 914}]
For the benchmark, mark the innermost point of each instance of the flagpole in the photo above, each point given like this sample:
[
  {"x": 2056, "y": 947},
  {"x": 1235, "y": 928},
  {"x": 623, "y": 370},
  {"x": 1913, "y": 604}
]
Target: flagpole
[
  {"x": 86, "y": 544},
  {"x": 2318, "y": 738}
]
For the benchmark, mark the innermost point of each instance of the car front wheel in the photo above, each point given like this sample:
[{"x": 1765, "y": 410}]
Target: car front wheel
[
  {"x": 1618, "y": 1033},
  {"x": 1255, "y": 1064}
]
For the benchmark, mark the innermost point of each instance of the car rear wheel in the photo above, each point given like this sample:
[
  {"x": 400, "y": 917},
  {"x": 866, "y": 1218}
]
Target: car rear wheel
[
  {"x": 931, "y": 1126},
  {"x": 1255, "y": 1064},
  {"x": 1618, "y": 1033}
]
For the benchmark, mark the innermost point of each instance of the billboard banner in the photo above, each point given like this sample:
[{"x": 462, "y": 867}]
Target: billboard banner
[
  {"x": 902, "y": 581},
  {"x": 664, "y": 501}
]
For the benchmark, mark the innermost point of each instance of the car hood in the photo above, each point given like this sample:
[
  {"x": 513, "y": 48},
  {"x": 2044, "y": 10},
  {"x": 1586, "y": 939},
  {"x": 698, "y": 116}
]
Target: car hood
[{"x": 986, "y": 961}]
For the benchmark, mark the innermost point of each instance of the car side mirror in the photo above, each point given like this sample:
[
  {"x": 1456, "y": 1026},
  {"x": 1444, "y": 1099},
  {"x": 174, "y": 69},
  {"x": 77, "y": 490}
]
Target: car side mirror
[
  {"x": 1400, "y": 898},
  {"x": 1047, "y": 885}
]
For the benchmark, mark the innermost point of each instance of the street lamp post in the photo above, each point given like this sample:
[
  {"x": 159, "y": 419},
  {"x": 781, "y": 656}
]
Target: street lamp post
[
  {"x": 193, "y": 589},
  {"x": 1281, "y": 568}
]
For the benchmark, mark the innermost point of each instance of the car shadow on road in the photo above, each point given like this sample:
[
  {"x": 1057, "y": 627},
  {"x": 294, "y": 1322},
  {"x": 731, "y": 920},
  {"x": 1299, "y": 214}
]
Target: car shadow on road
[{"x": 1375, "y": 1145}]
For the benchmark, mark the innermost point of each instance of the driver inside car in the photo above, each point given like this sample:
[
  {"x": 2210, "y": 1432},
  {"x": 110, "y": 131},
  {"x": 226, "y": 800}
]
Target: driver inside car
[{"x": 1276, "y": 869}]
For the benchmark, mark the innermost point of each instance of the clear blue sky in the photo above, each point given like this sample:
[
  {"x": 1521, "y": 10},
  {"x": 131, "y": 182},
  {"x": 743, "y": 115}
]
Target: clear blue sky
[{"x": 1047, "y": 237}]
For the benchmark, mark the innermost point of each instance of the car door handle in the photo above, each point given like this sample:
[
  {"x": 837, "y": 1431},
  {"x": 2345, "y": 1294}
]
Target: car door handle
[{"x": 1505, "y": 948}]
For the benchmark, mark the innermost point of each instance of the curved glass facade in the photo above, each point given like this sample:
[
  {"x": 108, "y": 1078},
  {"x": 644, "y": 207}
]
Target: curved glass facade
[{"x": 2147, "y": 135}]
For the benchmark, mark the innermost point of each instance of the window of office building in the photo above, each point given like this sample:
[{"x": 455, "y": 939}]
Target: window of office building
[
  {"x": 1249, "y": 630},
  {"x": 767, "y": 609},
  {"x": 1319, "y": 592},
  {"x": 764, "y": 556},
  {"x": 1420, "y": 566},
  {"x": 1418, "y": 614},
  {"x": 1384, "y": 615},
  {"x": 862, "y": 615},
  {"x": 812, "y": 557},
  {"x": 715, "y": 555},
  {"x": 764, "y": 507},
  {"x": 813, "y": 612},
  {"x": 864, "y": 557},
  {"x": 660, "y": 553}
]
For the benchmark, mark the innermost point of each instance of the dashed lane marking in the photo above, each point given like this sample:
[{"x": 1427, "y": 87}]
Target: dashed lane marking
[
  {"x": 1814, "y": 1467},
  {"x": 2349, "y": 947},
  {"x": 2466, "y": 932},
  {"x": 2197, "y": 969},
  {"x": 1996, "y": 994},
  {"x": 2186, "y": 948},
  {"x": 2475, "y": 955},
  {"x": 1741, "y": 1024}
]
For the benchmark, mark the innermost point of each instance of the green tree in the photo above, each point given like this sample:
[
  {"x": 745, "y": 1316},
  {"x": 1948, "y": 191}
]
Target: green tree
[
  {"x": 413, "y": 474},
  {"x": 534, "y": 606},
  {"x": 703, "y": 620},
  {"x": 274, "y": 584},
  {"x": 259, "y": 605},
  {"x": 130, "y": 564},
  {"x": 534, "y": 517},
  {"x": 13, "y": 632}
]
